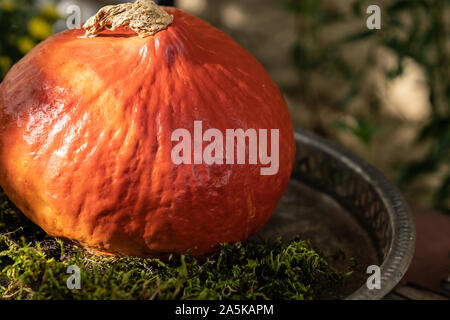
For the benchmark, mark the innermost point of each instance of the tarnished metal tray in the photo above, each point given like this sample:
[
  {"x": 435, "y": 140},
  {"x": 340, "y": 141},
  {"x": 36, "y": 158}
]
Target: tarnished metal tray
[{"x": 349, "y": 211}]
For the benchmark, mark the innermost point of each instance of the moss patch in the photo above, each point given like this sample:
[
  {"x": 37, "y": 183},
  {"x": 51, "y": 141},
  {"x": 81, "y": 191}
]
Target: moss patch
[{"x": 34, "y": 266}]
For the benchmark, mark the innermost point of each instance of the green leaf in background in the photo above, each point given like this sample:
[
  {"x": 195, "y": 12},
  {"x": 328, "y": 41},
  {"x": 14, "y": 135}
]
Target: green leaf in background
[
  {"x": 363, "y": 129},
  {"x": 404, "y": 5}
]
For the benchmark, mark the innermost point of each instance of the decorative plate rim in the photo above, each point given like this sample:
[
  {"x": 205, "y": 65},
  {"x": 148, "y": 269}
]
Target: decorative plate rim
[{"x": 402, "y": 246}]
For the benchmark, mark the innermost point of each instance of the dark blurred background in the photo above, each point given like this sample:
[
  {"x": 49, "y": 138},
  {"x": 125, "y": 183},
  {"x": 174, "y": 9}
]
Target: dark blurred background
[{"x": 385, "y": 94}]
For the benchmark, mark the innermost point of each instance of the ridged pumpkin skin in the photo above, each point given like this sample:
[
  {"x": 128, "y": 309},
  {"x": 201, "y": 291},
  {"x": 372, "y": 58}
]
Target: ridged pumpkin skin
[{"x": 85, "y": 139}]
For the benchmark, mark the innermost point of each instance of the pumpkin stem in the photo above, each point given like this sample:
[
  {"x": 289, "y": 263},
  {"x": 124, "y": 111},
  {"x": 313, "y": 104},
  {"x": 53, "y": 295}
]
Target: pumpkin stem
[{"x": 144, "y": 17}]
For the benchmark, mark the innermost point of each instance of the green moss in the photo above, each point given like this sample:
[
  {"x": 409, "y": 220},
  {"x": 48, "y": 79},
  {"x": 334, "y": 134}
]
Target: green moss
[{"x": 34, "y": 266}]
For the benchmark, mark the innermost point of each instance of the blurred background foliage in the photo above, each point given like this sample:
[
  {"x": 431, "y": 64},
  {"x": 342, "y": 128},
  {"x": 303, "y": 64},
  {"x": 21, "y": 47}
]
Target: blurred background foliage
[
  {"x": 411, "y": 29},
  {"x": 385, "y": 94},
  {"x": 23, "y": 23}
]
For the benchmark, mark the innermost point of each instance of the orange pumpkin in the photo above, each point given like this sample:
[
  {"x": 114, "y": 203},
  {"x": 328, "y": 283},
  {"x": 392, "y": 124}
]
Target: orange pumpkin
[{"x": 86, "y": 129}]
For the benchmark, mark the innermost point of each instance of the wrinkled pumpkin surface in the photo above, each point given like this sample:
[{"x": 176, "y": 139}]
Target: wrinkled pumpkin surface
[{"x": 85, "y": 138}]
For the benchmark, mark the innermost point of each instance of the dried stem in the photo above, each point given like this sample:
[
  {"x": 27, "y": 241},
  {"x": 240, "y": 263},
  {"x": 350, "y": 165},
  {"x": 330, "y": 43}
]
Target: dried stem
[{"x": 144, "y": 17}]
